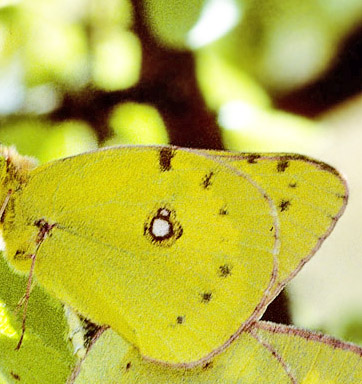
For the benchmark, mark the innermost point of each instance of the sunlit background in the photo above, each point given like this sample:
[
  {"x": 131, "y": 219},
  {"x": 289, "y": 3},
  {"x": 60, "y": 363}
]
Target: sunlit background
[{"x": 268, "y": 75}]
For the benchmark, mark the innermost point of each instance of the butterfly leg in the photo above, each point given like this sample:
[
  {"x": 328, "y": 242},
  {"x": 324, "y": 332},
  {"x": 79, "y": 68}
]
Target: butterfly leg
[{"x": 22, "y": 300}]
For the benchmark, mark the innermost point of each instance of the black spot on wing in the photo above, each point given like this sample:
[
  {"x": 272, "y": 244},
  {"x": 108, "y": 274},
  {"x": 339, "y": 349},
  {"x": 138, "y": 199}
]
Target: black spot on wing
[
  {"x": 90, "y": 330},
  {"x": 284, "y": 205},
  {"x": 292, "y": 184},
  {"x": 282, "y": 165},
  {"x": 15, "y": 376},
  {"x": 207, "y": 180},
  {"x": 180, "y": 319},
  {"x": 206, "y": 297},
  {"x": 166, "y": 155},
  {"x": 274, "y": 232},
  {"x": 223, "y": 211},
  {"x": 252, "y": 158},
  {"x": 128, "y": 365},
  {"x": 319, "y": 164},
  {"x": 333, "y": 218},
  {"x": 208, "y": 365},
  {"x": 224, "y": 270}
]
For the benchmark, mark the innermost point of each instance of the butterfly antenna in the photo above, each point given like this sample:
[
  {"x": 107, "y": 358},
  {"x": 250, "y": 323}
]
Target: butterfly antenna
[
  {"x": 25, "y": 300},
  {"x": 44, "y": 229},
  {"x": 22, "y": 300}
]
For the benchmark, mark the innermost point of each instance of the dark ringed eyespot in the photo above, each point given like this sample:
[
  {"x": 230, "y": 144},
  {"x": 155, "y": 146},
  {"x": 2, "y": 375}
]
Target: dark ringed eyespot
[{"x": 162, "y": 228}]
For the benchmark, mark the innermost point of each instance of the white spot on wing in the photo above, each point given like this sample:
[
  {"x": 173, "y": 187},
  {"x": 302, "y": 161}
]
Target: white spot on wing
[
  {"x": 160, "y": 228},
  {"x": 165, "y": 212}
]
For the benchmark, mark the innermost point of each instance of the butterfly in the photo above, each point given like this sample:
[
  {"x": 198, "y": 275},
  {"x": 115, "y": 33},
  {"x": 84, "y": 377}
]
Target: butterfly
[{"x": 178, "y": 250}]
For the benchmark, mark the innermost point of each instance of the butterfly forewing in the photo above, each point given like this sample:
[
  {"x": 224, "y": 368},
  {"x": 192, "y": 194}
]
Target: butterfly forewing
[
  {"x": 309, "y": 196},
  {"x": 174, "y": 249}
]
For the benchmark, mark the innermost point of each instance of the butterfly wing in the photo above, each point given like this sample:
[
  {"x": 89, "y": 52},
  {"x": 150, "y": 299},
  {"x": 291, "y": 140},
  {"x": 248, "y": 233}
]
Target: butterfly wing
[
  {"x": 310, "y": 196},
  {"x": 113, "y": 360},
  {"x": 276, "y": 354},
  {"x": 174, "y": 249},
  {"x": 312, "y": 357}
]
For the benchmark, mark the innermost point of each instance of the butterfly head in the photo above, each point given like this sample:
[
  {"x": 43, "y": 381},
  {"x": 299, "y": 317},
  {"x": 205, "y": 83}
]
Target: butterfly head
[{"x": 14, "y": 170}]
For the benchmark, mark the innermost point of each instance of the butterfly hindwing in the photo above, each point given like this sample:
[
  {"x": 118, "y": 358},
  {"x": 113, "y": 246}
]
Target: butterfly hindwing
[
  {"x": 245, "y": 361},
  {"x": 274, "y": 354},
  {"x": 311, "y": 357}
]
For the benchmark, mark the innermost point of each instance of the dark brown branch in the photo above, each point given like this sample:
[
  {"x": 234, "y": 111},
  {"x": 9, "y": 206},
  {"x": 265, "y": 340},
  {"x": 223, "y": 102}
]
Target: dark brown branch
[
  {"x": 342, "y": 81},
  {"x": 167, "y": 81}
]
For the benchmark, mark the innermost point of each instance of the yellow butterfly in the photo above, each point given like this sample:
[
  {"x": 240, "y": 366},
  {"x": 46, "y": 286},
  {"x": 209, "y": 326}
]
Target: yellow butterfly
[
  {"x": 270, "y": 353},
  {"x": 177, "y": 250}
]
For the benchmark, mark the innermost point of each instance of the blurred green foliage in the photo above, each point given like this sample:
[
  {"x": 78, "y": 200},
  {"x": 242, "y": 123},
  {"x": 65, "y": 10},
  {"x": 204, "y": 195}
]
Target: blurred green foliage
[
  {"x": 243, "y": 50},
  {"x": 286, "y": 44},
  {"x": 48, "y": 141},
  {"x": 351, "y": 329},
  {"x": 137, "y": 124},
  {"x": 45, "y": 336},
  {"x": 171, "y": 21}
]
